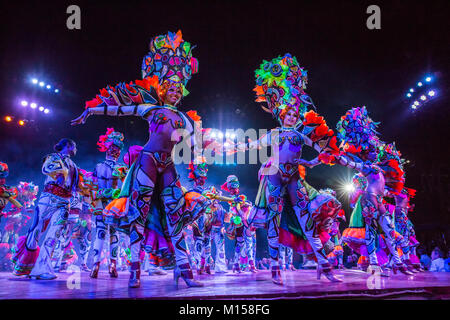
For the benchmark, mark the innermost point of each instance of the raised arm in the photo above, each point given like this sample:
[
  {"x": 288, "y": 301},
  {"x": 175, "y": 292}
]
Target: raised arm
[{"x": 140, "y": 110}]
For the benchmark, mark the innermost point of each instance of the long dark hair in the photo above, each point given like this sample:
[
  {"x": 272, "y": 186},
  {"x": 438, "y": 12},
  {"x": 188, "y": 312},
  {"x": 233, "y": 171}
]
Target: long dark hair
[{"x": 63, "y": 143}]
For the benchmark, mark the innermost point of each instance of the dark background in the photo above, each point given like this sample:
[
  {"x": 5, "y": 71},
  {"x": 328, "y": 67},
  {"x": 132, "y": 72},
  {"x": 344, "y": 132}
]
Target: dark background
[{"x": 348, "y": 65}]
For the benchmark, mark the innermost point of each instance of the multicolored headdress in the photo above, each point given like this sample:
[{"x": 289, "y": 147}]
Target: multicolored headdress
[
  {"x": 4, "y": 170},
  {"x": 231, "y": 183},
  {"x": 357, "y": 131},
  {"x": 110, "y": 138},
  {"x": 281, "y": 83},
  {"x": 198, "y": 169},
  {"x": 27, "y": 193},
  {"x": 170, "y": 60}
]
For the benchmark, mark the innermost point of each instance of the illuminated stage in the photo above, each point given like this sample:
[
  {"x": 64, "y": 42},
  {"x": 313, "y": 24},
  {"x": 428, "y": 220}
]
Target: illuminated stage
[{"x": 301, "y": 284}]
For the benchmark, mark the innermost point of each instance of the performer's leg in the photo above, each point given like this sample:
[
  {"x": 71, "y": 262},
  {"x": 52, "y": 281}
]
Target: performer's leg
[
  {"x": 43, "y": 268},
  {"x": 299, "y": 199},
  {"x": 239, "y": 249},
  {"x": 136, "y": 237},
  {"x": 389, "y": 232},
  {"x": 219, "y": 241},
  {"x": 27, "y": 250},
  {"x": 113, "y": 251},
  {"x": 274, "y": 195},
  {"x": 172, "y": 198},
  {"x": 99, "y": 241}
]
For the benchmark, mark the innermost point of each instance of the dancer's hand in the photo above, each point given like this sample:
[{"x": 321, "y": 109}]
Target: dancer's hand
[{"x": 81, "y": 119}]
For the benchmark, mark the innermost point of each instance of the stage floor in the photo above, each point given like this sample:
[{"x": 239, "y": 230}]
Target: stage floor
[{"x": 297, "y": 284}]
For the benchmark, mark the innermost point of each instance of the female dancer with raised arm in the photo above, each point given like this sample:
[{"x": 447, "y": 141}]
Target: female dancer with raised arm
[
  {"x": 166, "y": 69},
  {"x": 281, "y": 83}
]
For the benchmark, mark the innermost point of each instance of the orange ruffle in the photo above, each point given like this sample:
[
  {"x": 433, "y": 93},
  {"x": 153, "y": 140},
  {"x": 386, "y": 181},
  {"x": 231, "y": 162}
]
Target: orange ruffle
[{"x": 116, "y": 208}]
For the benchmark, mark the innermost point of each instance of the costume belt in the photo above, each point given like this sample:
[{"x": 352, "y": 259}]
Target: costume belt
[{"x": 57, "y": 190}]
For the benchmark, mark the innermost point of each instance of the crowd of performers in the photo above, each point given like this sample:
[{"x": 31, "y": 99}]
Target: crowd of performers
[{"x": 150, "y": 221}]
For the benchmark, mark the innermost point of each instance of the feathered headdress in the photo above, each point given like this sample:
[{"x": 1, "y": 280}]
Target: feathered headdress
[
  {"x": 281, "y": 83},
  {"x": 110, "y": 138},
  {"x": 4, "y": 170},
  {"x": 357, "y": 131},
  {"x": 198, "y": 169},
  {"x": 359, "y": 181},
  {"x": 231, "y": 183},
  {"x": 169, "y": 62}
]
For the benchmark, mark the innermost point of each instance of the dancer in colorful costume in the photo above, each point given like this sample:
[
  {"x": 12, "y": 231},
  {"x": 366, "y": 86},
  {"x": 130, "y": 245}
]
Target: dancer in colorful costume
[
  {"x": 78, "y": 227},
  {"x": 218, "y": 213},
  {"x": 405, "y": 227},
  {"x": 336, "y": 257},
  {"x": 281, "y": 83},
  {"x": 390, "y": 161},
  {"x": 51, "y": 212},
  {"x": 358, "y": 136},
  {"x": 7, "y": 194},
  {"x": 201, "y": 228},
  {"x": 166, "y": 70},
  {"x": 234, "y": 219},
  {"x": 108, "y": 189}
]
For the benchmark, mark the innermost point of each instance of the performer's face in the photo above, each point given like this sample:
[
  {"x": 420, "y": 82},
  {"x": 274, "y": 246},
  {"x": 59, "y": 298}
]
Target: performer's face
[
  {"x": 290, "y": 119},
  {"x": 70, "y": 150},
  {"x": 113, "y": 151},
  {"x": 173, "y": 95},
  {"x": 200, "y": 181}
]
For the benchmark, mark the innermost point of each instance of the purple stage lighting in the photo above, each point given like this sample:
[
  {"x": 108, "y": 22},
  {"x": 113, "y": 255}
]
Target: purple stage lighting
[{"x": 24, "y": 103}]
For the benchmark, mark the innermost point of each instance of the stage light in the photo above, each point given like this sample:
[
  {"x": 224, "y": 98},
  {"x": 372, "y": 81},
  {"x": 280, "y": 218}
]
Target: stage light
[
  {"x": 414, "y": 107},
  {"x": 34, "y": 80},
  {"x": 220, "y": 134},
  {"x": 232, "y": 136},
  {"x": 428, "y": 79},
  {"x": 41, "y": 83},
  {"x": 419, "y": 84},
  {"x": 423, "y": 98},
  {"x": 41, "y": 108},
  {"x": 227, "y": 135},
  {"x": 21, "y": 123},
  {"x": 349, "y": 187},
  {"x": 33, "y": 105},
  {"x": 46, "y": 111},
  {"x": 8, "y": 119},
  {"x": 431, "y": 93},
  {"x": 213, "y": 135},
  {"x": 408, "y": 95},
  {"x": 416, "y": 103},
  {"x": 48, "y": 86},
  {"x": 411, "y": 90},
  {"x": 24, "y": 103},
  {"x": 56, "y": 90}
]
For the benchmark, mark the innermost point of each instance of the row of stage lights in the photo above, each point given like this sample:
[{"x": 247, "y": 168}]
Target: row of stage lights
[
  {"x": 420, "y": 95},
  {"x": 10, "y": 119},
  {"x": 34, "y": 105},
  {"x": 42, "y": 84}
]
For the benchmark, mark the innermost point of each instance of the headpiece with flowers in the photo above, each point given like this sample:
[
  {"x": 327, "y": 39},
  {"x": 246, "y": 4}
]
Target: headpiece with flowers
[
  {"x": 110, "y": 138},
  {"x": 281, "y": 83},
  {"x": 168, "y": 63}
]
